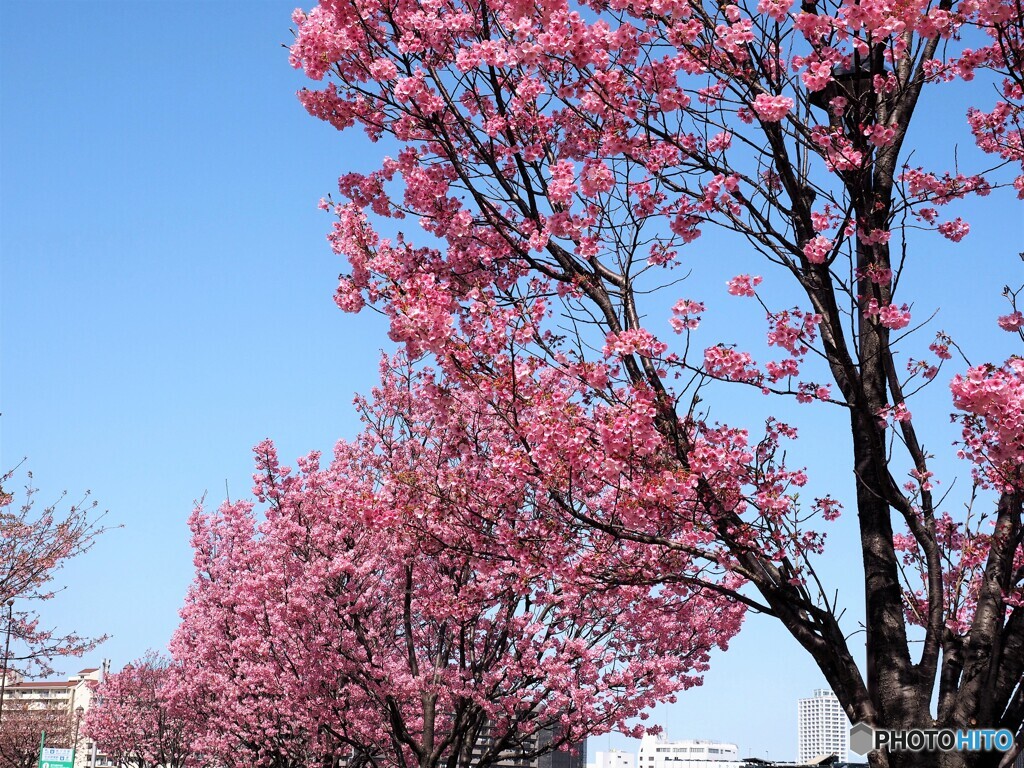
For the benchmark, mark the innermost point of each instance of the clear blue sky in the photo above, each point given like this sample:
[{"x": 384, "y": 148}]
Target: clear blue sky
[{"x": 166, "y": 303}]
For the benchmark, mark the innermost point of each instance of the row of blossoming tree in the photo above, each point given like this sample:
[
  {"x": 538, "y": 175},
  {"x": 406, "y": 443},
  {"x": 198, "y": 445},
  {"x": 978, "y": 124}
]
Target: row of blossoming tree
[
  {"x": 136, "y": 721},
  {"x": 418, "y": 601},
  {"x": 562, "y": 160},
  {"x": 540, "y": 531}
]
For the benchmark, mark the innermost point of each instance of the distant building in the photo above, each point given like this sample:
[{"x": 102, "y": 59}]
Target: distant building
[
  {"x": 613, "y": 759},
  {"x": 658, "y": 752},
  {"x": 566, "y": 756},
  {"x": 71, "y": 696},
  {"x": 822, "y": 727}
]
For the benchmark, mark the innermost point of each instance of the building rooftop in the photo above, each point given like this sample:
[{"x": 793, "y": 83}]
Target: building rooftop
[{"x": 40, "y": 684}]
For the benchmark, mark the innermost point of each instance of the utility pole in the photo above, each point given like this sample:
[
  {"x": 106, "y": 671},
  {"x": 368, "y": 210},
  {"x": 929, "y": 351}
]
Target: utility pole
[{"x": 7, "y": 656}]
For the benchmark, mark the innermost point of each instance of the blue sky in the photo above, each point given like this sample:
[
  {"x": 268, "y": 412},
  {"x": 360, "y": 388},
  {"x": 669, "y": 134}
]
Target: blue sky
[{"x": 166, "y": 304}]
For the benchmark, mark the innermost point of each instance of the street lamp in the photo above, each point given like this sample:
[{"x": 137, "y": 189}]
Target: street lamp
[
  {"x": 7, "y": 655},
  {"x": 850, "y": 82},
  {"x": 79, "y": 711}
]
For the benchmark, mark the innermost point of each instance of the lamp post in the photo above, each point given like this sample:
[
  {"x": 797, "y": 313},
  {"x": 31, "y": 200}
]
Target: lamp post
[
  {"x": 7, "y": 655},
  {"x": 849, "y": 82},
  {"x": 79, "y": 711}
]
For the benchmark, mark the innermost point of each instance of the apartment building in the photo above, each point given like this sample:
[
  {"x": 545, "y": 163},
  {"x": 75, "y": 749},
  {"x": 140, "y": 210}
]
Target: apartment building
[
  {"x": 567, "y": 756},
  {"x": 613, "y": 759},
  {"x": 822, "y": 727},
  {"x": 659, "y": 752},
  {"x": 71, "y": 696}
]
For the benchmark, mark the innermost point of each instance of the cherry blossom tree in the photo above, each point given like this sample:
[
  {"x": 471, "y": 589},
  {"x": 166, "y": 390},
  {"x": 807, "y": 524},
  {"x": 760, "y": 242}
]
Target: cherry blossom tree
[
  {"x": 135, "y": 720},
  {"x": 22, "y": 728},
  {"x": 224, "y": 673},
  {"x": 34, "y": 545},
  {"x": 399, "y": 605},
  {"x": 563, "y": 161}
]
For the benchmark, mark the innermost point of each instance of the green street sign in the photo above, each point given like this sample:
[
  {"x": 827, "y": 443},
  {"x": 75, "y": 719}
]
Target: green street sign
[{"x": 49, "y": 757}]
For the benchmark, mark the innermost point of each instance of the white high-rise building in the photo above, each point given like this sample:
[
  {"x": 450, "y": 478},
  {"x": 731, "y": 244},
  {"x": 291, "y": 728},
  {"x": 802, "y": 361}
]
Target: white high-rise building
[
  {"x": 614, "y": 759},
  {"x": 658, "y": 752},
  {"x": 822, "y": 727}
]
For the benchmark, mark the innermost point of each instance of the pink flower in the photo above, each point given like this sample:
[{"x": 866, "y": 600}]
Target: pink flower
[
  {"x": 873, "y": 236},
  {"x": 743, "y": 285},
  {"x": 829, "y": 508},
  {"x": 634, "y": 341},
  {"x": 880, "y": 135},
  {"x": 348, "y": 297},
  {"x": 896, "y": 412},
  {"x": 956, "y": 230},
  {"x": 821, "y": 221},
  {"x": 561, "y": 187},
  {"x": 719, "y": 142},
  {"x": 817, "y": 249},
  {"x": 771, "y": 109},
  {"x": 940, "y": 347},
  {"x": 923, "y": 478},
  {"x": 726, "y": 363},
  {"x": 596, "y": 178},
  {"x": 890, "y": 316},
  {"x": 894, "y": 317},
  {"x": 838, "y": 105},
  {"x": 785, "y": 369},
  {"x": 686, "y": 315},
  {"x": 776, "y": 9},
  {"x": 1012, "y": 322},
  {"x": 993, "y": 425}
]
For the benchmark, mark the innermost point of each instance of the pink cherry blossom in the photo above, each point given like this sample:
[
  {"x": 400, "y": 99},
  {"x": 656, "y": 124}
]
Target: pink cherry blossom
[
  {"x": 136, "y": 719},
  {"x": 993, "y": 425},
  {"x": 686, "y": 315},
  {"x": 1012, "y": 322},
  {"x": 418, "y": 536},
  {"x": 817, "y": 249},
  {"x": 555, "y": 165},
  {"x": 744, "y": 285},
  {"x": 889, "y": 316},
  {"x": 34, "y": 544},
  {"x": 771, "y": 109},
  {"x": 955, "y": 230}
]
